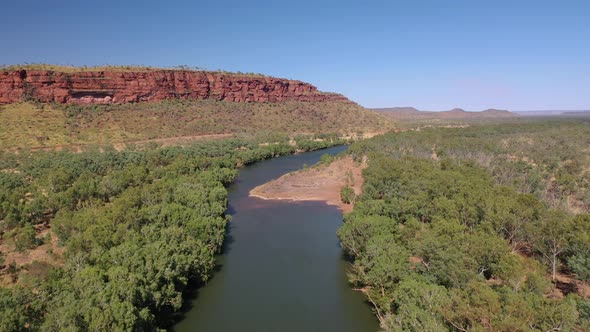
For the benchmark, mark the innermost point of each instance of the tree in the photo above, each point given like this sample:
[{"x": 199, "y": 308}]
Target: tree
[
  {"x": 580, "y": 264},
  {"x": 442, "y": 256},
  {"x": 551, "y": 236},
  {"x": 579, "y": 253},
  {"x": 381, "y": 266},
  {"x": 417, "y": 306},
  {"x": 510, "y": 214},
  {"x": 25, "y": 238},
  {"x": 475, "y": 307},
  {"x": 347, "y": 195}
]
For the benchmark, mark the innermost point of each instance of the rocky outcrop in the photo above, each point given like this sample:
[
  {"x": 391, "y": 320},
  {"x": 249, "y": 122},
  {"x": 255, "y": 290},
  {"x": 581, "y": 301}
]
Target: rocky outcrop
[{"x": 106, "y": 87}]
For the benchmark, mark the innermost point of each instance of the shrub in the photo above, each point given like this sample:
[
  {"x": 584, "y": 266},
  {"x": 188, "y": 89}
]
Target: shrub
[{"x": 347, "y": 195}]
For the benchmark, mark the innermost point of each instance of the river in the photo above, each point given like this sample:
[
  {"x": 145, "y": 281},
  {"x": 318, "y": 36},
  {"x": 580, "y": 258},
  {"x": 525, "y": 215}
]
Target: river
[{"x": 282, "y": 267}]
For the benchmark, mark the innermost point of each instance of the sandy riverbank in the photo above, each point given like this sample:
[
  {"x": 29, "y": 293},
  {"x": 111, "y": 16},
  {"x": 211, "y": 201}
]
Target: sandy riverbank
[{"x": 318, "y": 183}]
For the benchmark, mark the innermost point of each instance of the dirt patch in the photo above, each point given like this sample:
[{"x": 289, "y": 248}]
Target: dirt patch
[
  {"x": 567, "y": 284},
  {"x": 47, "y": 254},
  {"x": 319, "y": 183}
]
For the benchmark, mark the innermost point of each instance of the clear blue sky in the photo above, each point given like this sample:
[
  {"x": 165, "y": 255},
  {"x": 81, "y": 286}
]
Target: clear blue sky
[{"x": 434, "y": 55}]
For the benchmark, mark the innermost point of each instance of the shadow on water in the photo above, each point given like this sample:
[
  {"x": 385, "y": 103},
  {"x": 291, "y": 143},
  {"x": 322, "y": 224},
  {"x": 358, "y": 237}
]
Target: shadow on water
[
  {"x": 193, "y": 288},
  {"x": 191, "y": 293},
  {"x": 229, "y": 238}
]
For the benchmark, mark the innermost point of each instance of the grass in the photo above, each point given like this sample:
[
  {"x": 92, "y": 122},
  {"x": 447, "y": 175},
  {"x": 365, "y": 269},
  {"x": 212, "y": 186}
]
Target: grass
[
  {"x": 115, "y": 68},
  {"x": 26, "y": 124}
]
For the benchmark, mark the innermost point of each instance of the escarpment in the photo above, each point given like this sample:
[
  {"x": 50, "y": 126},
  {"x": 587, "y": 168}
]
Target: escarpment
[{"x": 108, "y": 87}]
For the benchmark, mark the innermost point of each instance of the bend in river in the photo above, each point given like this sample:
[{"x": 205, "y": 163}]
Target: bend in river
[{"x": 282, "y": 267}]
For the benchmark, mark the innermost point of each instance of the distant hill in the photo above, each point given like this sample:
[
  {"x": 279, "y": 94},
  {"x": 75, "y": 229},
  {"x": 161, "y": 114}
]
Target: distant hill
[
  {"x": 411, "y": 113},
  {"x": 493, "y": 111}
]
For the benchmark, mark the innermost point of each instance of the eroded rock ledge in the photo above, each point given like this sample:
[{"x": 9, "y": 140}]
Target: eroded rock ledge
[{"x": 106, "y": 87}]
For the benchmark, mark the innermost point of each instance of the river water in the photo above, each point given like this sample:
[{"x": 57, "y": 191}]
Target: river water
[{"x": 282, "y": 267}]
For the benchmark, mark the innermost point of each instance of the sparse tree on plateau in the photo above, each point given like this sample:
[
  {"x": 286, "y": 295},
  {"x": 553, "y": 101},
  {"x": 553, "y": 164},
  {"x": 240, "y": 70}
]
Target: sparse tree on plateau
[{"x": 552, "y": 237}]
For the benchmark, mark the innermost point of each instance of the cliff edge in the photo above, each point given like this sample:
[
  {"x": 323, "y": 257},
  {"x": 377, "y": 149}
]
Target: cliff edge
[{"x": 109, "y": 87}]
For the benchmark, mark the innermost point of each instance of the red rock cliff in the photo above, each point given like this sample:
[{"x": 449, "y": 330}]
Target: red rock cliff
[{"x": 105, "y": 87}]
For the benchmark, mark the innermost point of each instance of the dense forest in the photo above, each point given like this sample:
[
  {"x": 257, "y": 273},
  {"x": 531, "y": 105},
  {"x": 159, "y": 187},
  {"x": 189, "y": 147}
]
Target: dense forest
[
  {"x": 483, "y": 228},
  {"x": 547, "y": 158},
  {"x": 114, "y": 238}
]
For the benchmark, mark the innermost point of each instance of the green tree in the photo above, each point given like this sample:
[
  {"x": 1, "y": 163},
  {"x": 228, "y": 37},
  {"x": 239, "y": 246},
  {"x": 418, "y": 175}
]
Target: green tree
[
  {"x": 347, "y": 195},
  {"x": 551, "y": 237},
  {"x": 417, "y": 307}
]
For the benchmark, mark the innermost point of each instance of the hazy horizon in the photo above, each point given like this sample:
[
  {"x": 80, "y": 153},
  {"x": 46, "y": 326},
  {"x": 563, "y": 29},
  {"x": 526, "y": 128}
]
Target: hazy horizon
[{"x": 515, "y": 111}]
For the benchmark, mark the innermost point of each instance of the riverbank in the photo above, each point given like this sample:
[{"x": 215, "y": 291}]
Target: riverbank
[
  {"x": 281, "y": 267},
  {"x": 322, "y": 182}
]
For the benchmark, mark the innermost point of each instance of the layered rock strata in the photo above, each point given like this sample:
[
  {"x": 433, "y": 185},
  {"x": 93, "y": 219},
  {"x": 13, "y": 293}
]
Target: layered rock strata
[{"x": 106, "y": 87}]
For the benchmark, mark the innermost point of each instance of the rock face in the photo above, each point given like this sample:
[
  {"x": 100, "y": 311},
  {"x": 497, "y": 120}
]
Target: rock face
[{"x": 106, "y": 87}]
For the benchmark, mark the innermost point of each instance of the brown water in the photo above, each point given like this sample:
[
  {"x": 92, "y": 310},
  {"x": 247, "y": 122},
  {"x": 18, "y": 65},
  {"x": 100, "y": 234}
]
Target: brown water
[{"x": 282, "y": 267}]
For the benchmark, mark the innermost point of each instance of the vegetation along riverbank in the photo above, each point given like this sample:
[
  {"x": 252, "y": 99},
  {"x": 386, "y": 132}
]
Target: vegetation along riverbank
[
  {"x": 111, "y": 240},
  {"x": 484, "y": 228}
]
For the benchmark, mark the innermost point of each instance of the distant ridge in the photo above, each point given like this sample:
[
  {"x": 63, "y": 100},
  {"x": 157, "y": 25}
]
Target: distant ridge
[
  {"x": 554, "y": 113},
  {"x": 455, "y": 113}
]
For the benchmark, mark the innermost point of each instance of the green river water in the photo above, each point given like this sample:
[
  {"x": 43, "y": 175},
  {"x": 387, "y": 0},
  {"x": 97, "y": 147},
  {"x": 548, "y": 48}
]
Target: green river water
[{"x": 282, "y": 268}]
